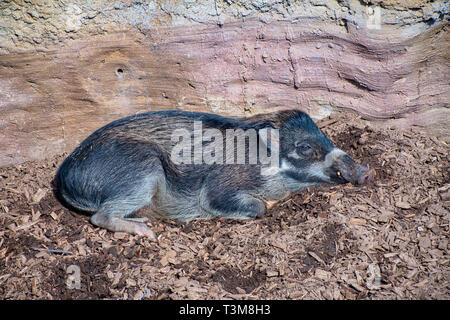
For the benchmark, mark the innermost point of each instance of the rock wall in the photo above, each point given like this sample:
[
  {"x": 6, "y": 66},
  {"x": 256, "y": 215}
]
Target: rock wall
[{"x": 68, "y": 67}]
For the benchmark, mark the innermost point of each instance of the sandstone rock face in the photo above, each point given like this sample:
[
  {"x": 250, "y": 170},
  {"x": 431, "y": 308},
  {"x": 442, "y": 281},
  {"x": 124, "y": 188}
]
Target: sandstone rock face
[{"x": 69, "y": 67}]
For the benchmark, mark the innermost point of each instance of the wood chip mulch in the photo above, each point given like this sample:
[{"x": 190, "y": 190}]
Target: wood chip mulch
[{"x": 387, "y": 240}]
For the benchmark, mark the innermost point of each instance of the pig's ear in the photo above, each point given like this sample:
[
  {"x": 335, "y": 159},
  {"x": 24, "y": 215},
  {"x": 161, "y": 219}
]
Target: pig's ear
[{"x": 269, "y": 138}]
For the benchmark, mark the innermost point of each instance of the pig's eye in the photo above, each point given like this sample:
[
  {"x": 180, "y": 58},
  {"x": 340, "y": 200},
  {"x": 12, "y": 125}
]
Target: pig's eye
[{"x": 305, "y": 149}]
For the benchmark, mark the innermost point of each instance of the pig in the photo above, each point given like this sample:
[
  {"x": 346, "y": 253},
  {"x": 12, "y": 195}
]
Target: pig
[{"x": 144, "y": 161}]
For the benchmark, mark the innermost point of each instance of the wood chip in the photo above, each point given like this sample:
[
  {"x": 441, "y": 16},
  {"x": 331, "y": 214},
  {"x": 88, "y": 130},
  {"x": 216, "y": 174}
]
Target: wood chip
[
  {"x": 424, "y": 242},
  {"x": 357, "y": 221},
  {"x": 39, "y": 195},
  {"x": 315, "y": 256},
  {"x": 272, "y": 273},
  {"x": 120, "y": 235},
  {"x": 402, "y": 205},
  {"x": 322, "y": 274},
  {"x": 355, "y": 285},
  {"x": 164, "y": 261}
]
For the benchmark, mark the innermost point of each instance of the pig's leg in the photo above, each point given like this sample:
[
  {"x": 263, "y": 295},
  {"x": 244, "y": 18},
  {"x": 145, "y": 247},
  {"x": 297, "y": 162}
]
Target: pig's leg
[
  {"x": 250, "y": 207},
  {"x": 105, "y": 219},
  {"x": 238, "y": 205},
  {"x": 114, "y": 212}
]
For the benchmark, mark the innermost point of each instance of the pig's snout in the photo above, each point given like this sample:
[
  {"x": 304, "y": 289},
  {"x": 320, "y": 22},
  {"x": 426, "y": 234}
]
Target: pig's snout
[
  {"x": 357, "y": 174},
  {"x": 364, "y": 174},
  {"x": 346, "y": 170}
]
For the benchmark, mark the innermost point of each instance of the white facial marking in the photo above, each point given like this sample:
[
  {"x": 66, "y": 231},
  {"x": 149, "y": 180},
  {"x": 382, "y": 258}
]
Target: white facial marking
[
  {"x": 332, "y": 156},
  {"x": 318, "y": 169},
  {"x": 293, "y": 154},
  {"x": 274, "y": 170},
  {"x": 286, "y": 165},
  {"x": 269, "y": 171}
]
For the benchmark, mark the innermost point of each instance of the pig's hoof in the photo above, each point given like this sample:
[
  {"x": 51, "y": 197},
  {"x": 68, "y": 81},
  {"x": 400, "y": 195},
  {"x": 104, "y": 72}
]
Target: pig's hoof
[
  {"x": 135, "y": 226},
  {"x": 117, "y": 224},
  {"x": 271, "y": 203},
  {"x": 141, "y": 229},
  {"x": 138, "y": 227}
]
